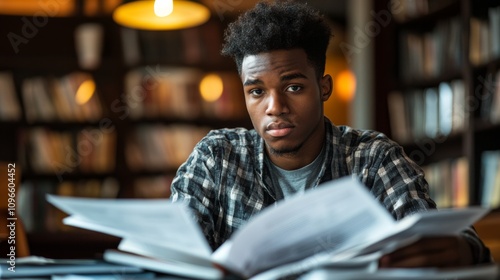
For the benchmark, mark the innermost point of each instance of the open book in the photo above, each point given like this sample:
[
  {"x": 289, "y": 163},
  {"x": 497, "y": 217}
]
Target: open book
[{"x": 338, "y": 222}]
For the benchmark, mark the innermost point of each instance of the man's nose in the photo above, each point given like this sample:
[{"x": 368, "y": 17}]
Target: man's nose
[{"x": 276, "y": 104}]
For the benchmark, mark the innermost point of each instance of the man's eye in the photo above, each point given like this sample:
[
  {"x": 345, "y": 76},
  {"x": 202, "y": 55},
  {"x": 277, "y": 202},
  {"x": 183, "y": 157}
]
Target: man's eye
[
  {"x": 255, "y": 91},
  {"x": 294, "y": 88}
]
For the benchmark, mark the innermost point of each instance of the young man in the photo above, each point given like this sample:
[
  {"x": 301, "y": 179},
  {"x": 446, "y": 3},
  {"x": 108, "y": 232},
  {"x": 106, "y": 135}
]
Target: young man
[{"x": 232, "y": 174}]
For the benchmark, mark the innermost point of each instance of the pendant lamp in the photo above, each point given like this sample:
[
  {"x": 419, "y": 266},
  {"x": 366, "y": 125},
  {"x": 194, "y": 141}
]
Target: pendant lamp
[{"x": 161, "y": 14}]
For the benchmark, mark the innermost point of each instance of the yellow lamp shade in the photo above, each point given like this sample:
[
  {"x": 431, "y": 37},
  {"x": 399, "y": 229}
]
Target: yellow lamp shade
[{"x": 141, "y": 15}]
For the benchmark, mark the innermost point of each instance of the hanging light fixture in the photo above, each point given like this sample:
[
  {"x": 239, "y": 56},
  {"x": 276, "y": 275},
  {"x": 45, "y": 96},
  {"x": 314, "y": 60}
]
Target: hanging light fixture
[{"x": 161, "y": 14}]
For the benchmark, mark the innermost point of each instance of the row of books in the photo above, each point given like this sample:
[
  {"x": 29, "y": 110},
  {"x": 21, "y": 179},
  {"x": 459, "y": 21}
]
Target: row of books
[
  {"x": 161, "y": 147},
  {"x": 61, "y": 152},
  {"x": 428, "y": 113},
  {"x": 10, "y": 109},
  {"x": 449, "y": 182},
  {"x": 156, "y": 92},
  {"x": 431, "y": 54},
  {"x": 490, "y": 178},
  {"x": 485, "y": 37},
  {"x": 404, "y": 10},
  {"x": 61, "y": 98},
  {"x": 488, "y": 91},
  {"x": 38, "y": 215}
]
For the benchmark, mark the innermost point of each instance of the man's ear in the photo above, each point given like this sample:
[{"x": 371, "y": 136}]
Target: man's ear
[{"x": 326, "y": 86}]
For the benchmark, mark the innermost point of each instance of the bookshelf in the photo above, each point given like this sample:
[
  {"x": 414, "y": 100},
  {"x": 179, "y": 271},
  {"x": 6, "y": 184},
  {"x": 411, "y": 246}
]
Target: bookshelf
[
  {"x": 439, "y": 97},
  {"x": 440, "y": 66},
  {"x": 124, "y": 141}
]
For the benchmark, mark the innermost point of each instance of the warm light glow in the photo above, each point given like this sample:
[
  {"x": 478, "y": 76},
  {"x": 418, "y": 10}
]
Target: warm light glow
[
  {"x": 37, "y": 7},
  {"x": 163, "y": 8},
  {"x": 211, "y": 87},
  {"x": 141, "y": 15},
  {"x": 345, "y": 85},
  {"x": 85, "y": 92}
]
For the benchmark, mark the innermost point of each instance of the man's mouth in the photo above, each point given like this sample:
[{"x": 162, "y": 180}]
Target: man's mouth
[{"x": 279, "y": 129}]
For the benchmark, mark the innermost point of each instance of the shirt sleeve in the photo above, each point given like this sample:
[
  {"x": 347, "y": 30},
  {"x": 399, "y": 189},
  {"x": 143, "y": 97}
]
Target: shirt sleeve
[
  {"x": 194, "y": 185},
  {"x": 400, "y": 185}
]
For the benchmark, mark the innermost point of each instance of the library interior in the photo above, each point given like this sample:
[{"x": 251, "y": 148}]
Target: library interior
[{"x": 101, "y": 104}]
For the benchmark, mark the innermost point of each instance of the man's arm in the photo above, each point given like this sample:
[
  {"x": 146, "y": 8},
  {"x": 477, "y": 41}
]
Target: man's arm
[
  {"x": 193, "y": 185},
  {"x": 448, "y": 251},
  {"x": 400, "y": 185}
]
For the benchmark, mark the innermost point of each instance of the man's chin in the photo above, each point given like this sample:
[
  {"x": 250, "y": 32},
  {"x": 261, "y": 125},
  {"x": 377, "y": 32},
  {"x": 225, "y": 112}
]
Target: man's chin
[{"x": 284, "y": 151}]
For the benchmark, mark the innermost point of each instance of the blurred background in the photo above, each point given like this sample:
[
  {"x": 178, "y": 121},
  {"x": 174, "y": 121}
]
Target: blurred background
[{"x": 105, "y": 98}]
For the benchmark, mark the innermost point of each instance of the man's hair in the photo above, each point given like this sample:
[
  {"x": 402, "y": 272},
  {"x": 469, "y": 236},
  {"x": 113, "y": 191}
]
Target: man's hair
[{"x": 274, "y": 26}]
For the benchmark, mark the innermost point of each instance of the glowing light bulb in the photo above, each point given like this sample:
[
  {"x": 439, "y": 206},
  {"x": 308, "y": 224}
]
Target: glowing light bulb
[
  {"x": 85, "y": 92},
  {"x": 211, "y": 87},
  {"x": 345, "y": 85},
  {"x": 163, "y": 8}
]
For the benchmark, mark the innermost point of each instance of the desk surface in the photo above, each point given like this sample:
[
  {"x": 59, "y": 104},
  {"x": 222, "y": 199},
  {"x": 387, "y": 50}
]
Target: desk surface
[{"x": 96, "y": 269}]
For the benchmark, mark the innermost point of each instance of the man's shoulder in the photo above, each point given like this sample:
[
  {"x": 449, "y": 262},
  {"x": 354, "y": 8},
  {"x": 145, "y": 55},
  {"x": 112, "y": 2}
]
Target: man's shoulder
[
  {"x": 232, "y": 136},
  {"x": 352, "y": 138}
]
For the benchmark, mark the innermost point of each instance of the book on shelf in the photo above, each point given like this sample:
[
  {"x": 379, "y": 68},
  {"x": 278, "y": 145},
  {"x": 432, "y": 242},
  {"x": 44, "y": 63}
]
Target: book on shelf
[
  {"x": 89, "y": 150},
  {"x": 291, "y": 237},
  {"x": 484, "y": 40},
  {"x": 459, "y": 102},
  {"x": 54, "y": 99},
  {"x": 408, "y": 9},
  {"x": 174, "y": 92},
  {"x": 490, "y": 178},
  {"x": 400, "y": 124},
  {"x": 160, "y": 147},
  {"x": 494, "y": 22},
  {"x": 163, "y": 92},
  {"x": 430, "y": 54},
  {"x": 431, "y": 112},
  {"x": 489, "y": 87},
  {"x": 9, "y": 105},
  {"x": 36, "y": 98},
  {"x": 445, "y": 109},
  {"x": 404, "y": 10},
  {"x": 130, "y": 38},
  {"x": 427, "y": 113},
  {"x": 448, "y": 182}
]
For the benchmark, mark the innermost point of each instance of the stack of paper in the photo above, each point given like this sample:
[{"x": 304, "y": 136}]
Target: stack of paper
[{"x": 307, "y": 231}]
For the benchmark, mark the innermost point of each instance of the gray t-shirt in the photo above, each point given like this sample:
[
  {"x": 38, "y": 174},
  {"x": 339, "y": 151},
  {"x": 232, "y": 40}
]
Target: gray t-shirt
[{"x": 287, "y": 183}]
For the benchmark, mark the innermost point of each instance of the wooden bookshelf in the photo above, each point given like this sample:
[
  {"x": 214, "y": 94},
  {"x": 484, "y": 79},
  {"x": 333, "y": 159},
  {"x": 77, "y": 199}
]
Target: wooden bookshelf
[
  {"x": 476, "y": 64},
  {"x": 436, "y": 29}
]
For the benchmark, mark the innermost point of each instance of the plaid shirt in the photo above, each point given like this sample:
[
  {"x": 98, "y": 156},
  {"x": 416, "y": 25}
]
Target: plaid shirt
[{"x": 225, "y": 180}]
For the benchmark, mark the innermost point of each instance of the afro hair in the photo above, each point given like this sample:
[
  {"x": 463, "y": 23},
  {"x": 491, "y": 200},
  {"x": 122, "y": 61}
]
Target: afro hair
[{"x": 281, "y": 25}]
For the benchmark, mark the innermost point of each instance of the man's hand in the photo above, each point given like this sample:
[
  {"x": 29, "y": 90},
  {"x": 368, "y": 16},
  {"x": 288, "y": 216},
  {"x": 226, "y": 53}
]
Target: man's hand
[{"x": 450, "y": 251}]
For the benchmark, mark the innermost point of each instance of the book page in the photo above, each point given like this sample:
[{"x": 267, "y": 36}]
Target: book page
[
  {"x": 162, "y": 253},
  {"x": 449, "y": 221},
  {"x": 337, "y": 215},
  {"x": 152, "y": 221}
]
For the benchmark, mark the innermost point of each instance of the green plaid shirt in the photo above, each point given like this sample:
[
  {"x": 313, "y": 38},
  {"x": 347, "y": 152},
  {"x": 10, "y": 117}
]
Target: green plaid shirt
[{"x": 225, "y": 180}]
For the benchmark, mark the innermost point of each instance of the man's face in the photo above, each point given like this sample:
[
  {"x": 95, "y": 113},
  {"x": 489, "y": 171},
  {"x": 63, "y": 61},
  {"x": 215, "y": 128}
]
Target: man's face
[{"x": 285, "y": 100}]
